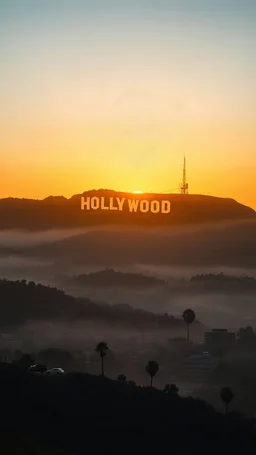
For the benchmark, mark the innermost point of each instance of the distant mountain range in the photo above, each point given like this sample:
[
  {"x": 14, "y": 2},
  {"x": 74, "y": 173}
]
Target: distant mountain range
[
  {"x": 59, "y": 212},
  {"x": 23, "y": 302},
  {"x": 110, "y": 277},
  {"x": 212, "y": 283}
]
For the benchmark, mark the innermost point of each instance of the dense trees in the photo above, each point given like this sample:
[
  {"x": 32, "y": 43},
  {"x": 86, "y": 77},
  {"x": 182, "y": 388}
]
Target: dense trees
[{"x": 171, "y": 389}]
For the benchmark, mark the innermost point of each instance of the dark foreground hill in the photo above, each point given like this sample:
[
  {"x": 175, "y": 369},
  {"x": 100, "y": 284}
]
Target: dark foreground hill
[
  {"x": 59, "y": 212},
  {"x": 78, "y": 413}
]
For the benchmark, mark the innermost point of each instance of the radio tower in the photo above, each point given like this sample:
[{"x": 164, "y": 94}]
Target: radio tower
[{"x": 184, "y": 185}]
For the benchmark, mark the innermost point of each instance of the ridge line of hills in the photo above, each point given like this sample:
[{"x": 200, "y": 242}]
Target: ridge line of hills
[
  {"x": 23, "y": 301},
  {"x": 60, "y": 212},
  {"x": 110, "y": 192},
  {"x": 201, "y": 282}
]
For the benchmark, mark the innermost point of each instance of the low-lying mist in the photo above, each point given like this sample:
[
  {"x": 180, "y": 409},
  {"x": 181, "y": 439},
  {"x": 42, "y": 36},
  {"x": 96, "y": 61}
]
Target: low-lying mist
[
  {"x": 85, "y": 334},
  {"x": 48, "y": 256},
  {"x": 16, "y": 237}
]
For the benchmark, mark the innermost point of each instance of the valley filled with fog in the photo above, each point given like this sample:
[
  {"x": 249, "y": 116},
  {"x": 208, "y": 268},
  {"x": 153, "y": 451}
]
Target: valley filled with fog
[
  {"x": 183, "y": 268},
  {"x": 51, "y": 257}
]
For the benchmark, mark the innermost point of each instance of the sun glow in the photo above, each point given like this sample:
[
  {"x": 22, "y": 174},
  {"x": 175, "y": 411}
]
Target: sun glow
[{"x": 138, "y": 192}]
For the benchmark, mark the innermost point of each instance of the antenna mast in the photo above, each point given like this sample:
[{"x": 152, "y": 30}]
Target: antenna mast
[{"x": 184, "y": 186}]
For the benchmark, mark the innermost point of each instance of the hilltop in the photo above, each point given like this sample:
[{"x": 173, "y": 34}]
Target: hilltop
[
  {"x": 110, "y": 277},
  {"x": 73, "y": 411},
  {"x": 60, "y": 212}
]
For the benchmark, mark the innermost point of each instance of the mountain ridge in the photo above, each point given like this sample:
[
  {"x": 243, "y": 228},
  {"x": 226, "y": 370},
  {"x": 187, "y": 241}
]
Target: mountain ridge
[{"x": 60, "y": 212}]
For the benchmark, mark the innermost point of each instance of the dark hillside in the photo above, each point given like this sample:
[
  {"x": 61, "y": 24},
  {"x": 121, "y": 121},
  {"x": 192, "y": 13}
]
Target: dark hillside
[
  {"x": 77, "y": 410},
  {"x": 59, "y": 212}
]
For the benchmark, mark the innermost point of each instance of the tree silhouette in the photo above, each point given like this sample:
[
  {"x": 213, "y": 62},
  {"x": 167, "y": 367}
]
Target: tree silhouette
[
  {"x": 189, "y": 317},
  {"x": 227, "y": 396},
  {"x": 131, "y": 383},
  {"x": 152, "y": 368},
  {"x": 121, "y": 378},
  {"x": 25, "y": 361},
  {"x": 101, "y": 349},
  {"x": 171, "y": 389}
]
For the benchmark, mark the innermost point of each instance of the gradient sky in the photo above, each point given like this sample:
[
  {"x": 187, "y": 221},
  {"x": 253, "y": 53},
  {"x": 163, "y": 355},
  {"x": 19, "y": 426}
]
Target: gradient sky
[{"x": 111, "y": 94}]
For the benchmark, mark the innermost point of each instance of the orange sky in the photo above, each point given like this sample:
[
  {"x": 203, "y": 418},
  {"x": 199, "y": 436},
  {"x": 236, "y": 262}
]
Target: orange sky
[{"x": 114, "y": 99}]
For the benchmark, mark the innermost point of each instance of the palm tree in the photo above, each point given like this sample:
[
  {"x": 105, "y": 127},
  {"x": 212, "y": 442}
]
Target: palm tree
[
  {"x": 101, "y": 349},
  {"x": 189, "y": 317},
  {"x": 227, "y": 396},
  {"x": 171, "y": 389},
  {"x": 121, "y": 378},
  {"x": 152, "y": 368}
]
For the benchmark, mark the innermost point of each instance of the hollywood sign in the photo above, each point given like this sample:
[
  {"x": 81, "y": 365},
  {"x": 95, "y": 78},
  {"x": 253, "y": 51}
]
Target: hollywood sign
[{"x": 119, "y": 204}]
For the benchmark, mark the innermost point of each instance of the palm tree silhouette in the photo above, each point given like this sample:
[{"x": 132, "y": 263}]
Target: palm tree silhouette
[
  {"x": 101, "y": 349},
  {"x": 171, "y": 389},
  {"x": 152, "y": 368},
  {"x": 189, "y": 317},
  {"x": 121, "y": 378},
  {"x": 227, "y": 396}
]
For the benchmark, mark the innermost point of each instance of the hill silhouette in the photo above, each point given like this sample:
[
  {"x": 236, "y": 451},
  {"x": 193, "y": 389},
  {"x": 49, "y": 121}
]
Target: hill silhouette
[
  {"x": 221, "y": 282},
  {"x": 72, "y": 411},
  {"x": 23, "y": 301},
  {"x": 60, "y": 212},
  {"x": 110, "y": 277}
]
